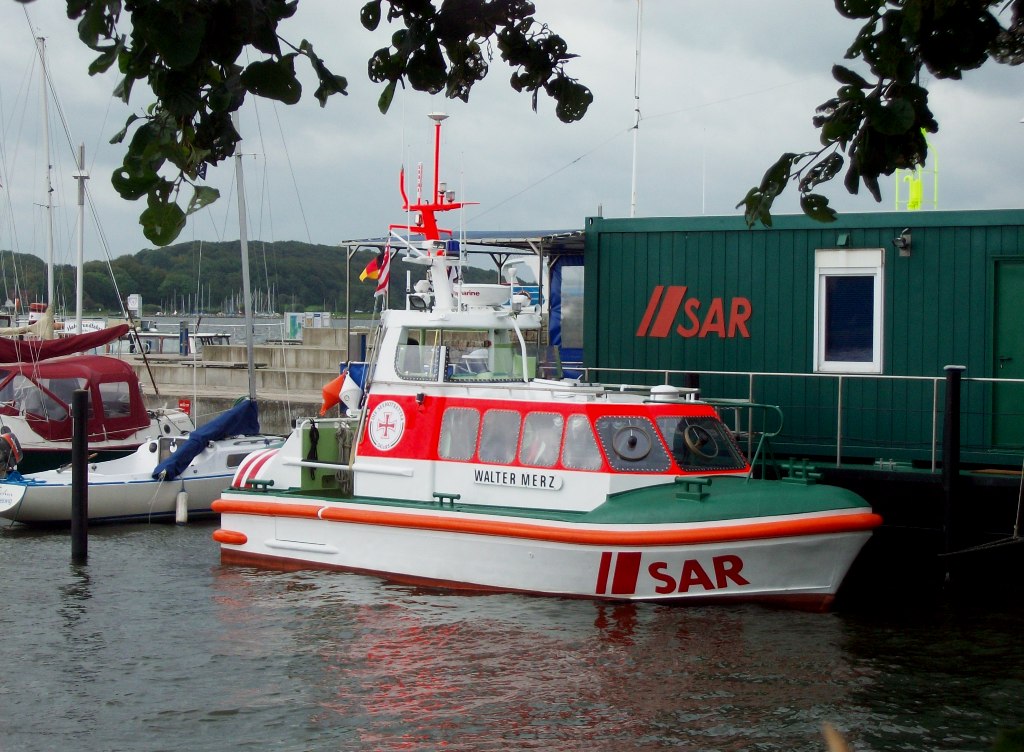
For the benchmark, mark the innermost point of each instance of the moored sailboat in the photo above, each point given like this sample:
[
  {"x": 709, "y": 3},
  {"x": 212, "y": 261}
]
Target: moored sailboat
[
  {"x": 456, "y": 466},
  {"x": 35, "y": 406},
  {"x": 168, "y": 476}
]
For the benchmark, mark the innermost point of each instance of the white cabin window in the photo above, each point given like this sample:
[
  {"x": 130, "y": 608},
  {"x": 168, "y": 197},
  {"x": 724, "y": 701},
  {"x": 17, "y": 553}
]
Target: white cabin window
[
  {"x": 580, "y": 452},
  {"x": 542, "y": 438},
  {"x": 848, "y": 310},
  {"x": 499, "y": 436},
  {"x": 116, "y": 397},
  {"x": 458, "y": 433}
]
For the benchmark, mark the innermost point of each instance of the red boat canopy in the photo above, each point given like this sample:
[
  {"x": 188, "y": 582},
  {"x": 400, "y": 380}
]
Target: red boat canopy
[
  {"x": 32, "y": 350},
  {"x": 43, "y": 391}
]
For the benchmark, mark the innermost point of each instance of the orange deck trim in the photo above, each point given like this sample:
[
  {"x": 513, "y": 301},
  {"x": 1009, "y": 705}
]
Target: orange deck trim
[{"x": 839, "y": 523}]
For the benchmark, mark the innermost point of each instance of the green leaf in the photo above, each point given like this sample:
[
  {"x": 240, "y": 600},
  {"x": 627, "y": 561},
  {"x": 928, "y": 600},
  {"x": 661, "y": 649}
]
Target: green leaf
[
  {"x": 816, "y": 207},
  {"x": 119, "y": 136},
  {"x": 329, "y": 83},
  {"x": 162, "y": 222},
  {"x": 102, "y": 63},
  {"x": 848, "y": 77},
  {"x": 123, "y": 90},
  {"x": 133, "y": 185},
  {"x": 93, "y": 24},
  {"x": 427, "y": 70},
  {"x": 384, "y": 103},
  {"x": 892, "y": 119},
  {"x": 858, "y": 8},
  {"x": 573, "y": 99},
  {"x": 180, "y": 38},
  {"x": 775, "y": 177},
  {"x": 202, "y": 196},
  {"x": 329, "y": 86},
  {"x": 273, "y": 79},
  {"x": 757, "y": 208},
  {"x": 822, "y": 172},
  {"x": 369, "y": 15}
]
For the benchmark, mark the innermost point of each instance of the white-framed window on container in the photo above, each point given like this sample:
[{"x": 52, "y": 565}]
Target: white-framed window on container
[{"x": 848, "y": 295}]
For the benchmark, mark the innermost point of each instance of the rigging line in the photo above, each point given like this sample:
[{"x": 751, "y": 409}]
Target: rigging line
[
  {"x": 629, "y": 130},
  {"x": 265, "y": 202},
  {"x": 550, "y": 175},
  {"x": 728, "y": 99},
  {"x": 199, "y": 276},
  {"x": 25, "y": 86},
  {"x": 291, "y": 173}
]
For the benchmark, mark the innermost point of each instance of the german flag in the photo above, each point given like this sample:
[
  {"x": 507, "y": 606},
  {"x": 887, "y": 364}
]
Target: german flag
[{"x": 373, "y": 269}]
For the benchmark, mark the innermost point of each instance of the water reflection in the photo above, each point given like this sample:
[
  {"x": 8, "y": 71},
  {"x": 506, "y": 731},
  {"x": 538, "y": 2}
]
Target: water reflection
[
  {"x": 398, "y": 668},
  {"x": 75, "y": 595},
  {"x": 154, "y": 645}
]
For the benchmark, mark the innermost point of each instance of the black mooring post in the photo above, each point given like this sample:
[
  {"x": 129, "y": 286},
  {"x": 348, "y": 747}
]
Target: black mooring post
[
  {"x": 79, "y": 477},
  {"x": 951, "y": 456}
]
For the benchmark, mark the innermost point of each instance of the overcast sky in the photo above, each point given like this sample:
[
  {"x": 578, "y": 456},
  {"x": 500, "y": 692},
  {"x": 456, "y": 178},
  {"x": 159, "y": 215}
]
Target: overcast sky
[{"x": 725, "y": 88}]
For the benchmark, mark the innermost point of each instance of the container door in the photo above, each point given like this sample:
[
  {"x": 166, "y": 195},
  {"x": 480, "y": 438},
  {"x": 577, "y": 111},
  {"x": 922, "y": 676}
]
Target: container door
[{"x": 1008, "y": 399}]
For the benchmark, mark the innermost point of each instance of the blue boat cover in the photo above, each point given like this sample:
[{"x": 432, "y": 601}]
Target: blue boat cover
[{"x": 241, "y": 420}]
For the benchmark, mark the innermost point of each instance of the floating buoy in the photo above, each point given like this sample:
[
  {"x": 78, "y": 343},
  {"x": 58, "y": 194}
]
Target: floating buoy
[{"x": 181, "y": 508}]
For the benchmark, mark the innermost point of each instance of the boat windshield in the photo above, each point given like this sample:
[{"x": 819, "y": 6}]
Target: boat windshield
[
  {"x": 631, "y": 444},
  {"x": 700, "y": 443},
  {"x": 466, "y": 355},
  {"x": 25, "y": 395}
]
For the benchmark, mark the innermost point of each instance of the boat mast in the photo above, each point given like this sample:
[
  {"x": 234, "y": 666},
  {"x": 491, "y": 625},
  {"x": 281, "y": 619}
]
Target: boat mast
[
  {"x": 41, "y": 48},
  {"x": 81, "y": 176},
  {"x": 243, "y": 240}
]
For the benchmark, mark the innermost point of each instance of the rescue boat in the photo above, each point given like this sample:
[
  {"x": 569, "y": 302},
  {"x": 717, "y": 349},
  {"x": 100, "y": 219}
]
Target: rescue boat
[{"x": 455, "y": 465}]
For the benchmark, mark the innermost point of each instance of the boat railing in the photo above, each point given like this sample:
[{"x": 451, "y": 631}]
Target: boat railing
[
  {"x": 891, "y": 420},
  {"x": 771, "y": 422}
]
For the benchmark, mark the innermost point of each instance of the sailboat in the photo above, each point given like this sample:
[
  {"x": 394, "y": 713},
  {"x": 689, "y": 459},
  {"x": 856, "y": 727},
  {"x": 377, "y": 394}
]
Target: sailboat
[
  {"x": 165, "y": 478},
  {"x": 39, "y": 374}
]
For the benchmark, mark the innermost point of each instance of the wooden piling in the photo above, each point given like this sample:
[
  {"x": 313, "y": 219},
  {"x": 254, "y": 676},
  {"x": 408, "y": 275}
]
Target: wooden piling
[
  {"x": 951, "y": 458},
  {"x": 80, "y": 477}
]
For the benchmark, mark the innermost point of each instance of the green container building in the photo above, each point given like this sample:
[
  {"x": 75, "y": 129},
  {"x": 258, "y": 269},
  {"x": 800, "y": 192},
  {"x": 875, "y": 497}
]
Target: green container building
[{"x": 847, "y": 326}]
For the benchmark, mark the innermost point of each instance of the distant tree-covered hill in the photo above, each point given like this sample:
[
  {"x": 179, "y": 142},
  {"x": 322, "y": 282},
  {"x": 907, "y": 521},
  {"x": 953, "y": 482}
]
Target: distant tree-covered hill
[{"x": 194, "y": 276}]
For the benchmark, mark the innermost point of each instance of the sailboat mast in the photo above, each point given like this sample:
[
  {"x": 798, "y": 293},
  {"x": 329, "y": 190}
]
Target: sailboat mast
[
  {"x": 41, "y": 47},
  {"x": 250, "y": 328},
  {"x": 81, "y": 176}
]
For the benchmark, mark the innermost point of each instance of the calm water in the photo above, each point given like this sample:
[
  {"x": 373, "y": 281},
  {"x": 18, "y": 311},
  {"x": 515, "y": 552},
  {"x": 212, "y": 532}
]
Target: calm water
[{"x": 153, "y": 645}]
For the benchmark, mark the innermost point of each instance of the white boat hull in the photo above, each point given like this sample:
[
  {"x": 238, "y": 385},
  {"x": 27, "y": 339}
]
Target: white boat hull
[
  {"x": 541, "y": 558},
  {"x": 123, "y": 489},
  {"x": 130, "y": 500}
]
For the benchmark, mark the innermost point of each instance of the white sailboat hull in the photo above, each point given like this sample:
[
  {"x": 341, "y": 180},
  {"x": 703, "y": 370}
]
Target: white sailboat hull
[{"x": 123, "y": 489}]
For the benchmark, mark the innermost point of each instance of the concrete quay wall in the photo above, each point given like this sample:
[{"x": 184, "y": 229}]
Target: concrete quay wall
[
  {"x": 289, "y": 377},
  {"x": 278, "y": 412}
]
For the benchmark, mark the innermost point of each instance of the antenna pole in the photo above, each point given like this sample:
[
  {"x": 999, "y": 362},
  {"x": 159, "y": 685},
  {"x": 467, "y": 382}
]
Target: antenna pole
[
  {"x": 438, "y": 118},
  {"x": 636, "y": 101}
]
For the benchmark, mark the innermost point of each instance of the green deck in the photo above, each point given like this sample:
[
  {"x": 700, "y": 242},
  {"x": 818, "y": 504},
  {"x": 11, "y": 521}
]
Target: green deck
[{"x": 724, "y": 498}]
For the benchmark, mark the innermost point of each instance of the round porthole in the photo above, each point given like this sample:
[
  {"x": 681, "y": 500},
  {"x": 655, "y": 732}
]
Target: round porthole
[
  {"x": 700, "y": 441},
  {"x": 632, "y": 443}
]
